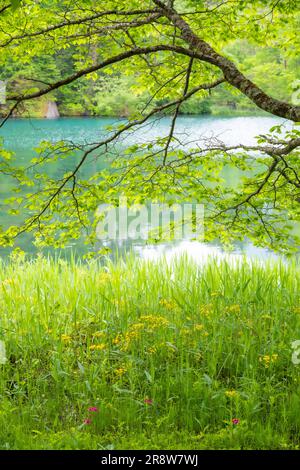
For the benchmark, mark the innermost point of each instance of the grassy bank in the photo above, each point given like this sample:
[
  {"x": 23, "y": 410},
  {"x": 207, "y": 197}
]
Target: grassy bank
[{"x": 149, "y": 355}]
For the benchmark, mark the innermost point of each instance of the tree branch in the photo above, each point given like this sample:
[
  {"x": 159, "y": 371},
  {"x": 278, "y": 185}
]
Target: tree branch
[
  {"x": 139, "y": 51},
  {"x": 107, "y": 141},
  {"x": 229, "y": 69},
  {"x": 78, "y": 21}
]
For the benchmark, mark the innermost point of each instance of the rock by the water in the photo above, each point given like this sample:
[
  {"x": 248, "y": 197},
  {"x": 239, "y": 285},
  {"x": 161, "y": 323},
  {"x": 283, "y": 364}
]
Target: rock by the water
[{"x": 52, "y": 110}]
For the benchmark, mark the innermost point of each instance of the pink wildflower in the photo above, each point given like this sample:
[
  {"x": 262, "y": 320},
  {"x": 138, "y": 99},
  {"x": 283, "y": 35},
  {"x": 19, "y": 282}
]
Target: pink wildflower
[
  {"x": 93, "y": 409},
  {"x": 148, "y": 401}
]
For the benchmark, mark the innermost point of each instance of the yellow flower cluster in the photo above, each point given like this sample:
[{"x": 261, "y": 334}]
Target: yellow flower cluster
[
  {"x": 97, "y": 347},
  {"x": 153, "y": 321},
  {"x": 147, "y": 322},
  {"x": 168, "y": 304},
  {"x": 187, "y": 331},
  {"x": 124, "y": 340},
  {"x": 206, "y": 309},
  {"x": 120, "y": 371},
  {"x": 268, "y": 359},
  {"x": 233, "y": 309},
  {"x": 117, "y": 339},
  {"x": 198, "y": 327},
  {"x": 231, "y": 393},
  {"x": 66, "y": 338},
  {"x": 7, "y": 283},
  {"x": 99, "y": 334},
  {"x": 137, "y": 326}
]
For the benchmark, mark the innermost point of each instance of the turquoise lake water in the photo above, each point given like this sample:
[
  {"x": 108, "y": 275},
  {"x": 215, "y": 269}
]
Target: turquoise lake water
[{"x": 23, "y": 135}]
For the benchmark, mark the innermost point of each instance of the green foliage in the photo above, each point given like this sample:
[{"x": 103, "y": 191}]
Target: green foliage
[
  {"x": 111, "y": 94},
  {"x": 58, "y": 42}
]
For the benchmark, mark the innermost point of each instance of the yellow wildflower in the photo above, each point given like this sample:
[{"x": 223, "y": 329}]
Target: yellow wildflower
[
  {"x": 66, "y": 338},
  {"x": 121, "y": 371},
  {"x": 98, "y": 334},
  {"x": 148, "y": 322},
  {"x": 268, "y": 359},
  {"x": 198, "y": 327},
  {"x": 185, "y": 331},
  {"x": 231, "y": 393},
  {"x": 137, "y": 326},
  {"x": 7, "y": 282},
  {"x": 117, "y": 339},
  {"x": 126, "y": 339},
  {"x": 233, "y": 308},
  {"x": 168, "y": 304},
  {"x": 97, "y": 347},
  {"x": 154, "y": 321},
  {"x": 206, "y": 309},
  {"x": 130, "y": 335}
]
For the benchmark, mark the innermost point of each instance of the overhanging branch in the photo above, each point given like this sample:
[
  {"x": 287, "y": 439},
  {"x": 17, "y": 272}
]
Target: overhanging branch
[{"x": 233, "y": 76}]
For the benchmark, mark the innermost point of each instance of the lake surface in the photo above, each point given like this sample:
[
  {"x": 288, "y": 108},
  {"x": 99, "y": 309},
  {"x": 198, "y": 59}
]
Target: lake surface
[{"x": 23, "y": 135}]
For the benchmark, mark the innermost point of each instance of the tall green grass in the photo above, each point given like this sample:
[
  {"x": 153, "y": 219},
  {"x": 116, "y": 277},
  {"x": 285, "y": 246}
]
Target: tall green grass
[{"x": 169, "y": 354}]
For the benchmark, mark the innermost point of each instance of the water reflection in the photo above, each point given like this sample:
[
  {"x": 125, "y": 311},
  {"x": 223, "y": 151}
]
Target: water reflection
[{"x": 198, "y": 252}]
